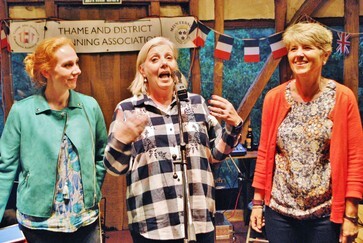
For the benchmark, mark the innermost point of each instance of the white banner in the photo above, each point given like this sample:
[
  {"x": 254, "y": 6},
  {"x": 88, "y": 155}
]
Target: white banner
[{"x": 95, "y": 36}]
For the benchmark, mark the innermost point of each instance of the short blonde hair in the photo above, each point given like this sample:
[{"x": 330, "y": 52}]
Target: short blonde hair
[
  {"x": 309, "y": 33},
  {"x": 137, "y": 86},
  {"x": 43, "y": 58}
]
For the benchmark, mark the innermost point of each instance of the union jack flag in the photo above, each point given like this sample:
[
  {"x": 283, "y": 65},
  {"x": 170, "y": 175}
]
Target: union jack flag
[{"x": 343, "y": 43}]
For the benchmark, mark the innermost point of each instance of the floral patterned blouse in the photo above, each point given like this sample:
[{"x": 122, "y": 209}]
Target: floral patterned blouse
[
  {"x": 302, "y": 179},
  {"x": 69, "y": 213}
]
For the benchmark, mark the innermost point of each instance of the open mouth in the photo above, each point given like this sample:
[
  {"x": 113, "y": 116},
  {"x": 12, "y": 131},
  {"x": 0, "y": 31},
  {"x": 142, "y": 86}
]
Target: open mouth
[{"x": 164, "y": 75}]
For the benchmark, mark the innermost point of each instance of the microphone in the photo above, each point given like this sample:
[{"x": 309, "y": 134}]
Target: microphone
[{"x": 180, "y": 88}]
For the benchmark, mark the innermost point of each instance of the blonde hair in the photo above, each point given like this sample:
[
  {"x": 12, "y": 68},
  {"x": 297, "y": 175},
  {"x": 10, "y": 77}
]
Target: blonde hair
[
  {"x": 137, "y": 86},
  {"x": 43, "y": 58},
  {"x": 309, "y": 33}
]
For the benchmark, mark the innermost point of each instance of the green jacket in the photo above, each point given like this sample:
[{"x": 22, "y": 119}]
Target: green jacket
[{"x": 31, "y": 140}]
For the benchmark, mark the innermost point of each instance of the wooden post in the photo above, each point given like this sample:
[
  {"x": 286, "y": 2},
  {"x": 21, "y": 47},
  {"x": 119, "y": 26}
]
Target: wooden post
[
  {"x": 194, "y": 55},
  {"x": 5, "y": 75},
  {"x": 351, "y": 25},
  {"x": 50, "y": 8},
  {"x": 154, "y": 9},
  {"x": 280, "y": 23},
  {"x": 218, "y": 63}
]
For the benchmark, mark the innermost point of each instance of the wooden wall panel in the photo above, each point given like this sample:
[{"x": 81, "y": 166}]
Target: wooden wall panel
[
  {"x": 106, "y": 77},
  {"x": 218, "y": 63}
]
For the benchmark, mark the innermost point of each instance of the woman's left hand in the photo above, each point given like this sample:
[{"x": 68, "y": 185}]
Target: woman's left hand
[
  {"x": 223, "y": 109},
  {"x": 348, "y": 232}
]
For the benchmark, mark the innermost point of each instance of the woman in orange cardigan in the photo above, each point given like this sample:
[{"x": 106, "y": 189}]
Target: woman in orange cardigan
[{"x": 310, "y": 159}]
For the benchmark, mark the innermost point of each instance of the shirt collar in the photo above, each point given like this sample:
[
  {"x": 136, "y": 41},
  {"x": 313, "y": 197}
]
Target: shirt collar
[{"x": 144, "y": 100}]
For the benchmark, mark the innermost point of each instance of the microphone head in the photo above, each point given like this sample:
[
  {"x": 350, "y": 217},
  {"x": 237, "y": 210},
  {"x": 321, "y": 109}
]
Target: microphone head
[
  {"x": 179, "y": 86},
  {"x": 177, "y": 74}
]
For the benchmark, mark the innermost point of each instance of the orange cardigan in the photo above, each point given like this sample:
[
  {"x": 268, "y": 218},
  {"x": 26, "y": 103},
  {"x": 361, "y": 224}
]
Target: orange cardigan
[{"x": 346, "y": 146}]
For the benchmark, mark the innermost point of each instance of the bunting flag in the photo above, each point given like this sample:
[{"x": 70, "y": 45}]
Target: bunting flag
[
  {"x": 224, "y": 47},
  {"x": 252, "y": 50},
  {"x": 4, "y": 40},
  {"x": 277, "y": 46},
  {"x": 343, "y": 43},
  {"x": 200, "y": 31}
]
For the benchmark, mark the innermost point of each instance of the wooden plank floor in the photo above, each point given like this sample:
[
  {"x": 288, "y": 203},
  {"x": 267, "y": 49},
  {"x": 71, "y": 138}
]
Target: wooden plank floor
[
  {"x": 123, "y": 236},
  {"x": 234, "y": 217},
  {"x": 119, "y": 236}
]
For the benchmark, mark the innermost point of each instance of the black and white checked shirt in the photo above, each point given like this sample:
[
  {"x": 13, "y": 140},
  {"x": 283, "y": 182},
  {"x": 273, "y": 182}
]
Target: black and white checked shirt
[{"x": 154, "y": 198}]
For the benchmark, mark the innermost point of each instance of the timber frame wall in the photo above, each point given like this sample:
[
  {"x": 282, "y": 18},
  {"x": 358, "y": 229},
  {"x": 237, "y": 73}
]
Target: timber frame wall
[{"x": 107, "y": 76}]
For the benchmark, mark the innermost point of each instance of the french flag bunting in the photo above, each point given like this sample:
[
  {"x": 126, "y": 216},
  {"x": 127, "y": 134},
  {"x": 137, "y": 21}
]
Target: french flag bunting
[
  {"x": 224, "y": 47},
  {"x": 252, "y": 50},
  {"x": 277, "y": 46},
  {"x": 343, "y": 43},
  {"x": 4, "y": 39},
  {"x": 193, "y": 28},
  {"x": 200, "y": 31}
]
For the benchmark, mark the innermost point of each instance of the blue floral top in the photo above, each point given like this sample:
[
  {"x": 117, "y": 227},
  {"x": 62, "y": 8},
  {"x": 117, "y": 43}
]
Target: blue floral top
[{"x": 69, "y": 213}]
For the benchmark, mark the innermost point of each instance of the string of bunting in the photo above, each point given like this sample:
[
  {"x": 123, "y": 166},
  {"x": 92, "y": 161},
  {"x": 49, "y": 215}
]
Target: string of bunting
[
  {"x": 225, "y": 42},
  {"x": 343, "y": 38},
  {"x": 251, "y": 48}
]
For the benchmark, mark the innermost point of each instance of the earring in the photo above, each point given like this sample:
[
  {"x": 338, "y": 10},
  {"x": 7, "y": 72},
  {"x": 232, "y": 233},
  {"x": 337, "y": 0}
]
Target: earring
[{"x": 145, "y": 80}]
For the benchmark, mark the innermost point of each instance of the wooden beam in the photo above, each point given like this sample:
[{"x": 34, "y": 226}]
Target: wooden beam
[
  {"x": 249, "y": 100},
  {"x": 307, "y": 8},
  {"x": 5, "y": 74},
  {"x": 271, "y": 23},
  {"x": 195, "y": 78},
  {"x": 154, "y": 9},
  {"x": 351, "y": 25},
  {"x": 218, "y": 63},
  {"x": 80, "y": 1},
  {"x": 280, "y": 14},
  {"x": 50, "y": 9},
  {"x": 280, "y": 22},
  {"x": 257, "y": 86}
]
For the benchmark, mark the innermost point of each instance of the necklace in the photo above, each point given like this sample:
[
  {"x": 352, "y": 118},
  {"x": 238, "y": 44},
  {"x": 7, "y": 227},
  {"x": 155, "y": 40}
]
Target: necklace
[{"x": 66, "y": 162}]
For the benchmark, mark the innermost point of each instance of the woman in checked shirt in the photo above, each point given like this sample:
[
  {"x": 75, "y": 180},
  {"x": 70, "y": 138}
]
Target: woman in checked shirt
[{"x": 144, "y": 138}]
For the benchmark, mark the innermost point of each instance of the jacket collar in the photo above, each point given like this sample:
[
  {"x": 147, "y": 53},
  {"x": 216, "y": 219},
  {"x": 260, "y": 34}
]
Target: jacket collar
[{"x": 41, "y": 105}]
